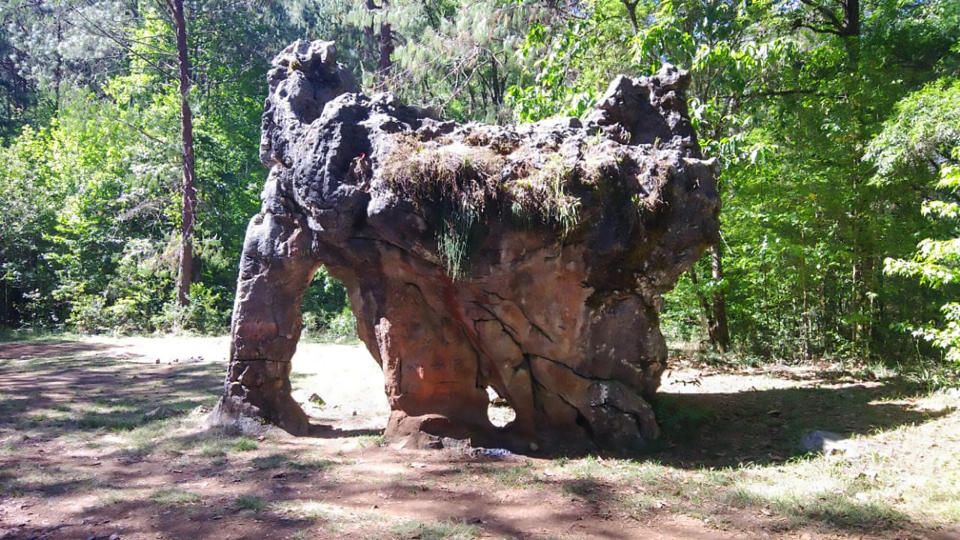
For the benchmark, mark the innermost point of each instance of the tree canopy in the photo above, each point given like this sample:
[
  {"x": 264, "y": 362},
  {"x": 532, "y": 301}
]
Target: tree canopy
[{"x": 836, "y": 124}]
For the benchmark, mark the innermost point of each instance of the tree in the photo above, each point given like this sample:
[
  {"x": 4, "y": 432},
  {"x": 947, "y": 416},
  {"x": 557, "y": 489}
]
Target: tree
[
  {"x": 921, "y": 142},
  {"x": 17, "y": 94},
  {"x": 787, "y": 95},
  {"x": 187, "y": 189},
  {"x": 106, "y": 257}
]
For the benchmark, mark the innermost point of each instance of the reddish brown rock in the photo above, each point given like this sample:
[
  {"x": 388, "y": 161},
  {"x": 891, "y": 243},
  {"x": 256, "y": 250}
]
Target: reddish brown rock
[{"x": 529, "y": 259}]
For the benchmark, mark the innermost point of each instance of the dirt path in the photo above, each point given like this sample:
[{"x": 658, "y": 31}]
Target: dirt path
[{"x": 104, "y": 437}]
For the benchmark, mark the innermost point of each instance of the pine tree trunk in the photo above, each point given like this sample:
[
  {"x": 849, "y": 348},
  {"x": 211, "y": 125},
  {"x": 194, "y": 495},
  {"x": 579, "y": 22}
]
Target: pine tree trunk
[{"x": 187, "y": 189}]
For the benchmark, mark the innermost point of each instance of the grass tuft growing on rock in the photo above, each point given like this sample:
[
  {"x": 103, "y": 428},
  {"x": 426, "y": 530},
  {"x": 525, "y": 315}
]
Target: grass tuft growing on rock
[{"x": 459, "y": 184}]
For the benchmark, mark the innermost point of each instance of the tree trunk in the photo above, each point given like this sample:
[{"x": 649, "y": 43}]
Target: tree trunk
[
  {"x": 495, "y": 75},
  {"x": 632, "y": 13},
  {"x": 386, "y": 47},
  {"x": 702, "y": 300},
  {"x": 187, "y": 189},
  {"x": 716, "y": 313},
  {"x": 851, "y": 17},
  {"x": 370, "y": 41},
  {"x": 721, "y": 334},
  {"x": 58, "y": 71}
]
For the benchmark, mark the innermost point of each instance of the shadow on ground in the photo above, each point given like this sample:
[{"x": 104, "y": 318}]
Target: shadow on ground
[
  {"x": 51, "y": 393},
  {"x": 61, "y": 392},
  {"x": 766, "y": 426},
  {"x": 699, "y": 429},
  {"x": 23, "y": 350}
]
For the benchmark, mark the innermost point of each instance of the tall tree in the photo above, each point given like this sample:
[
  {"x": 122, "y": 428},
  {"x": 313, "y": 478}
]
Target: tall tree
[{"x": 187, "y": 188}]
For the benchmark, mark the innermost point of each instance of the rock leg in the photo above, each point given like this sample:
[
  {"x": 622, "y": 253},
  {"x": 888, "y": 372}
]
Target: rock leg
[
  {"x": 275, "y": 270},
  {"x": 431, "y": 371}
]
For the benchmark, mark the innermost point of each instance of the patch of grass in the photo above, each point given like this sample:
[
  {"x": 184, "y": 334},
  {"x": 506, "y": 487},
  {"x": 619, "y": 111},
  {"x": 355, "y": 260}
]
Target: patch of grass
[
  {"x": 615, "y": 470},
  {"x": 174, "y": 497},
  {"x": 679, "y": 420},
  {"x": 312, "y": 464},
  {"x": 639, "y": 503},
  {"x": 305, "y": 510},
  {"x": 8, "y": 447},
  {"x": 434, "y": 530},
  {"x": 128, "y": 414},
  {"x": 117, "y": 420},
  {"x": 585, "y": 489},
  {"x": 824, "y": 506},
  {"x": 272, "y": 461},
  {"x": 458, "y": 184},
  {"x": 546, "y": 194},
  {"x": 250, "y": 503},
  {"x": 215, "y": 451},
  {"x": 513, "y": 476},
  {"x": 278, "y": 460},
  {"x": 44, "y": 480},
  {"x": 111, "y": 496},
  {"x": 365, "y": 441},
  {"x": 587, "y": 467},
  {"x": 217, "y": 444},
  {"x": 457, "y": 180},
  {"x": 36, "y": 334},
  {"x": 933, "y": 375},
  {"x": 152, "y": 437},
  {"x": 330, "y": 516}
]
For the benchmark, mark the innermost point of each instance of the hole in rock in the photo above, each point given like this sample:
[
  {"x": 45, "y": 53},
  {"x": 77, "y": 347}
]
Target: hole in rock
[
  {"x": 499, "y": 412},
  {"x": 326, "y": 311},
  {"x": 334, "y": 379}
]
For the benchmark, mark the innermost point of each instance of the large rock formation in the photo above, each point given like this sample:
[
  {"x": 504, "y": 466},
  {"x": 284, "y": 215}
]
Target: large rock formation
[{"x": 529, "y": 259}]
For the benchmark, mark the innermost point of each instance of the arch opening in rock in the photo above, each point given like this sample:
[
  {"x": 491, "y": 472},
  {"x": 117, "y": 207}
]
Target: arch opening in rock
[
  {"x": 529, "y": 258},
  {"x": 326, "y": 310},
  {"x": 500, "y": 413}
]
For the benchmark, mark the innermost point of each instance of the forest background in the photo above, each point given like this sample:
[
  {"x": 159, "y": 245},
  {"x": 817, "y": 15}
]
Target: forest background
[{"x": 836, "y": 124}]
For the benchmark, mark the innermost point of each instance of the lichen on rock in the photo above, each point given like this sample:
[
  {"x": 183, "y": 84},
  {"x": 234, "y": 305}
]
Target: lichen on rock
[{"x": 529, "y": 259}]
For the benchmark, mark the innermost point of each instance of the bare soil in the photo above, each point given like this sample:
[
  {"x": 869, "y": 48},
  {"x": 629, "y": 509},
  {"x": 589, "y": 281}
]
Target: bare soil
[{"x": 104, "y": 436}]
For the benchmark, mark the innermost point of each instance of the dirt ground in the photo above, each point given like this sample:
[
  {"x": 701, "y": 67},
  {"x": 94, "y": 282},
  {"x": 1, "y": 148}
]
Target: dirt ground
[{"x": 104, "y": 437}]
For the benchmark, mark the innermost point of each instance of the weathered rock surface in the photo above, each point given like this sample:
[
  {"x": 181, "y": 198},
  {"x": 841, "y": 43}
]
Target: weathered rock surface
[{"x": 529, "y": 259}]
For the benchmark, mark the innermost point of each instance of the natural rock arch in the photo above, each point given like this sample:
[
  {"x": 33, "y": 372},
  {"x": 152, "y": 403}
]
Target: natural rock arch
[{"x": 526, "y": 258}]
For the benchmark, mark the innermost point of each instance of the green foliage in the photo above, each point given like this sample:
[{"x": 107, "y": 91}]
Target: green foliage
[
  {"x": 836, "y": 152},
  {"x": 454, "y": 56},
  {"x": 923, "y": 139},
  {"x": 919, "y": 137},
  {"x": 564, "y": 77},
  {"x": 94, "y": 201},
  {"x": 789, "y": 113},
  {"x": 326, "y": 310}
]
